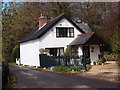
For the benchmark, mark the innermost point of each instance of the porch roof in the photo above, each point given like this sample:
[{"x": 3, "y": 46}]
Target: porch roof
[{"x": 87, "y": 39}]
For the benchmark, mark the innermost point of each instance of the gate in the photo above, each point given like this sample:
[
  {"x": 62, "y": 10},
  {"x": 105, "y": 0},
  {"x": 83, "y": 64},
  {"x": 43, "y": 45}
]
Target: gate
[{"x": 44, "y": 60}]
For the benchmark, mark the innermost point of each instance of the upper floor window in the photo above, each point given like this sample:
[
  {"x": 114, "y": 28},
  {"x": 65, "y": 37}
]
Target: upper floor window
[{"x": 64, "y": 32}]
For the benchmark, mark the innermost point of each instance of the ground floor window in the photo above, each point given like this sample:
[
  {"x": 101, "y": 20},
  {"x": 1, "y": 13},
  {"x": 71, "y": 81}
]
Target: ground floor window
[{"x": 55, "y": 51}]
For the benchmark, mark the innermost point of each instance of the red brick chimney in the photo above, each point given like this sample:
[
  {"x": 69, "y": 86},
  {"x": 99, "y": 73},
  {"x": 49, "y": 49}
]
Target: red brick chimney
[{"x": 42, "y": 20}]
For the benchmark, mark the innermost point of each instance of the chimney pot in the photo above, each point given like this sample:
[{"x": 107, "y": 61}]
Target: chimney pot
[{"x": 42, "y": 20}]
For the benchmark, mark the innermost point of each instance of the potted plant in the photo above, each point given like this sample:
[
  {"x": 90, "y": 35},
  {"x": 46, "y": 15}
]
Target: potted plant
[
  {"x": 94, "y": 63},
  {"x": 99, "y": 62}
]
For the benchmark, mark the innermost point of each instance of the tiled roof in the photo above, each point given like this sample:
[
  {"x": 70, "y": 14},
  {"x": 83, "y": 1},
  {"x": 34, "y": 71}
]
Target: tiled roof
[
  {"x": 86, "y": 38},
  {"x": 38, "y": 33},
  {"x": 84, "y": 27}
]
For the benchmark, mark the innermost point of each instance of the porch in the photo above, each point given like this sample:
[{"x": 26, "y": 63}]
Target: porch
[{"x": 89, "y": 45}]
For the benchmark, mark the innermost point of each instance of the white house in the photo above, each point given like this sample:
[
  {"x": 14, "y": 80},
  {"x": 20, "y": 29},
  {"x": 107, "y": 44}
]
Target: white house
[{"x": 54, "y": 35}]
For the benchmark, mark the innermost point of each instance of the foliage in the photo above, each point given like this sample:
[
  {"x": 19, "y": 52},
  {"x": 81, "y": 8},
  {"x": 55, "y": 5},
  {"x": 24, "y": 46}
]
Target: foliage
[
  {"x": 103, "y": 60},
  {"x": 60, "y": 69},
  {"x": 69, "y": 69},
  {"x": 9, "y": 31},
  {"x": 110, "y": 56},
  {"x": 76, "y": 68},
  {"x": 98, "y": 61},
  {"x": 68, "y": 51},
  {"x": 115, "y": 40},
  {"x": 74, "y": 50},
  {"x": 15, "y": 53},
  {"x": 88, "y": 68}
]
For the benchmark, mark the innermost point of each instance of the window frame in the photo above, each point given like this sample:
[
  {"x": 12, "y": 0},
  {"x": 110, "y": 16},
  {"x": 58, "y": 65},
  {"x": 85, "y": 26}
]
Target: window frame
[{"x": 70, "y": 34}]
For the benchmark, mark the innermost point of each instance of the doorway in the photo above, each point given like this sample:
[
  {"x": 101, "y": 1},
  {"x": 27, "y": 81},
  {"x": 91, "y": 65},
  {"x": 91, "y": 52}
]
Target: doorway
[{"x": 86, "y": 51}]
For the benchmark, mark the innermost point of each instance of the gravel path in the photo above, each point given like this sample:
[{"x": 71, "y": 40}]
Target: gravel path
[{"x": 108, "y": 71}]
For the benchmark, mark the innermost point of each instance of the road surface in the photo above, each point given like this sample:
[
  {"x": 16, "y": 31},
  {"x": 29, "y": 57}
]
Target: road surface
[{"x": 27, "y": 78}]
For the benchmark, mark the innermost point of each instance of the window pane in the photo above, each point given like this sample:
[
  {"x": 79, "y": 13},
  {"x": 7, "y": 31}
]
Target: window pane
[
  {"x": 71, "y": 32},
  {"x": 61, "y": 51}
]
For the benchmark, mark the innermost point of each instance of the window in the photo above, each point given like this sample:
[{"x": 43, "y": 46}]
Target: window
[
  {"x": 55, "y": 51},
  {"x": 64, "y": 32}
]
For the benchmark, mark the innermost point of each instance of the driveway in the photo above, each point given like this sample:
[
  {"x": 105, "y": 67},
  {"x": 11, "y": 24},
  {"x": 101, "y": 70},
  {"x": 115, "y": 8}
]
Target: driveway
[
  {"x": 27, "y": 78},
  {"x": 108, "y": 71}
]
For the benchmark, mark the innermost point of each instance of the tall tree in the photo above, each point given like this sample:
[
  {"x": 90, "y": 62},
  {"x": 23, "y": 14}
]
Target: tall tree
[
  {"x": 8, "y": 31},
  {"x": 115, "y": 26}
]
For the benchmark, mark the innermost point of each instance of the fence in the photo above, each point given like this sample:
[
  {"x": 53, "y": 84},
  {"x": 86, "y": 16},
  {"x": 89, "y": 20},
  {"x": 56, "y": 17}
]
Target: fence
[{"x": 46, "y": 61}]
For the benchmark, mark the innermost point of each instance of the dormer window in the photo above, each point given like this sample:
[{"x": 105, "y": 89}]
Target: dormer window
[{"x": 64, "y": 32}]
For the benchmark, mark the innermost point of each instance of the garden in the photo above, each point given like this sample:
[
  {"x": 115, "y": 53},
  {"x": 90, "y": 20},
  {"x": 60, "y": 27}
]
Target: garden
[{"x": 71, "y": 69}]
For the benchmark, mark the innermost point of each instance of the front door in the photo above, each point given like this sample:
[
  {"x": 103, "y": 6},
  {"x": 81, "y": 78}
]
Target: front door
[{"x": 86, "y": 51}]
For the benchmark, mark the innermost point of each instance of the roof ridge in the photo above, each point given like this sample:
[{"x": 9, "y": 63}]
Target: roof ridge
[
  {"x": 81, "y": 23},
  {"x": 55, "y": 17}
]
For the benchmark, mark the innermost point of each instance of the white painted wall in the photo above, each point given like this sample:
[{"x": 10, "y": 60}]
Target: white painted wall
[
  {"x": 29, "y": 53},
  {"x": 49, "y": 39},
  {"x": 94, "y": 55}
]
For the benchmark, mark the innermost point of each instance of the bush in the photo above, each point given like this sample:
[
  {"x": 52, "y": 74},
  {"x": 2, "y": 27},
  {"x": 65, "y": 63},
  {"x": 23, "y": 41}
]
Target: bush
[
  {"x": 99, "y": 61},
  {"x": 103, "y": 60},
  {"x": 67, "y": 69},
  {"x": 88, "y": 68},
  {"x": 110, "y": 56},
  {"x": 15, "y": 53},
  {"x": 60, "y": 69},
  {"x": 76, "y": 69}
]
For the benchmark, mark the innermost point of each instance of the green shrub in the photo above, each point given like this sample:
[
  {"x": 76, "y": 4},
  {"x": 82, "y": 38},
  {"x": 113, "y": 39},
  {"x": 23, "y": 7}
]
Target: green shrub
[
  {"x": 76, "y": 69},
  {"x": 103, "y": 60},
  {"x": 15, "y": 53},
  {"x": 110, "y": 56},
  {"x": 60, "y": 69},
  {"x": 99, "y": 61},
  {"x": 66, "y": 69},
  {"x": 88, "y": 68}
]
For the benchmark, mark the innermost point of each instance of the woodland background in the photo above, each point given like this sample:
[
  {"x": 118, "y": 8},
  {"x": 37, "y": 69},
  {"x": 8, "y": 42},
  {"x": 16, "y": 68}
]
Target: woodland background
[{"x": 20, "y": 18}]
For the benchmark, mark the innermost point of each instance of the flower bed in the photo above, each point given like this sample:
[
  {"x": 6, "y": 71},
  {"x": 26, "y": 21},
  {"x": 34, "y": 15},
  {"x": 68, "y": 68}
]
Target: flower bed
[{"x": 71, "y": 69}]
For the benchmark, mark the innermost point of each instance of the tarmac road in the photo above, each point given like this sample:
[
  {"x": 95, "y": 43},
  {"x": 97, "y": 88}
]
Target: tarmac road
[{"x": 27, "y": 78}]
